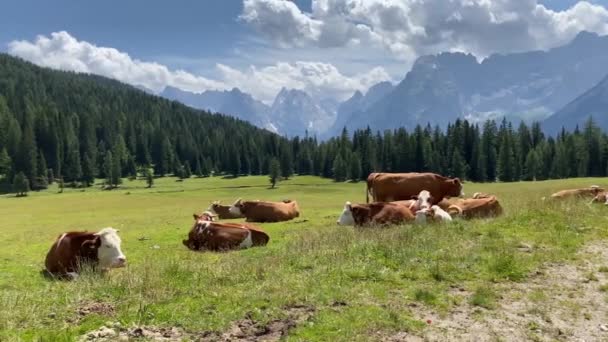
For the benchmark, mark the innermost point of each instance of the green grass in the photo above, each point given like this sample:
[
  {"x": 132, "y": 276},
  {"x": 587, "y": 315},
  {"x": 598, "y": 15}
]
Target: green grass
[{"x": 378, "y": 273}]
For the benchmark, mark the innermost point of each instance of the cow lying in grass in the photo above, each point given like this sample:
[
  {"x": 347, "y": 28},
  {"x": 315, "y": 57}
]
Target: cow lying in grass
[
  {"x": 215, "y": 236},
  {"x": 379, "y": 213},
  {"x": 601, "y": 198},
  {"x": 589, "y": 192},
  {"x": 432, "y": 214},
  {"x": 259, "y": 211},
  {"x": 74, "y": 250},
  {"x": 476, "y": 208},
  {"x": 222, "y": 211}
]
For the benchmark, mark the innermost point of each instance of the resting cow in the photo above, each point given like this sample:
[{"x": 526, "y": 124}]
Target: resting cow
[
  {"x": 258, "y": 211},
  {"x": 72, "y": 250},
  {"x": 589, "y": 192},
  {"x": 601, "y": 198},
  {"x": 476, "y": 208},
  {"x": 222, "y": 211},
  {"x": 387, "y": 187},
  {"x": 374, "y": 214},
  {"x": 432, "y": 214},
  {"x": 215, "y": 236}
]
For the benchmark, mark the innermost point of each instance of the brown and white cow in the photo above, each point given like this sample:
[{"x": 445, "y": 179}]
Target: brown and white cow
[
  {"x": 72, "y": 250},
  {"x": 222, "y": 211},
  {"x": 432, "y": 214},
  {"x": 379, "y": 213},
  {"x": 601, "y": 198},
  {"x": 589, "y": 192},
  {"x": 476, "y": 208},
  {"x": 259, "y": 211},
  {"x": 215, "y": 236},
  {"x": 388, "y": 187}
]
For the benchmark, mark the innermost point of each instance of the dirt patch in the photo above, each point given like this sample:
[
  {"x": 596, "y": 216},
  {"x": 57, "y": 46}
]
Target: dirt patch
[
  {"x": 245, "y": 330},
  {"x": 99, "y": 308},
  {"x": 563, "y": 302}
]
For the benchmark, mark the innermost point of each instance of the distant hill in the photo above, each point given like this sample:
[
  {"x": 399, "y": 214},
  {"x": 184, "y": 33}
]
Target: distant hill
[{"x": 592, "y": 104}]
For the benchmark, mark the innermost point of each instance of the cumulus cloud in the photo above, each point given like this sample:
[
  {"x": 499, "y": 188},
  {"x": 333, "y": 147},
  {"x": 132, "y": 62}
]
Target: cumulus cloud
[
  {"x": 63, "y": 51},
  {"x": 409, "y": 28}
]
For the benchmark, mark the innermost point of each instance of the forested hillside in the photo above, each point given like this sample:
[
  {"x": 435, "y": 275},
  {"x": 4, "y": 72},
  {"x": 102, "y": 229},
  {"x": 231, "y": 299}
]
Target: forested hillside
[
  {"x": 83, "y": 126},
  {"x": 75, "y": 127}
]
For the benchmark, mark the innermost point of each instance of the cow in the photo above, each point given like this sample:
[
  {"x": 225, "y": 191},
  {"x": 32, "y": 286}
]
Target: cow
[
  {"x": 73, "y": 250},
  {"x": 476, "y": 208},
  {"x": 207, "y": 235},
  {"x": 222, "y": 211},
  {"x": 601, "y": 198},
  {"x": 421, "y": 201},
  {"x": 589, "y": 192},
  {"x": 434, "y": 214},
  {"x": 387, "y": 187},
  {"x": 378, "y": 213},
  {"x": 259, "y": 211}
]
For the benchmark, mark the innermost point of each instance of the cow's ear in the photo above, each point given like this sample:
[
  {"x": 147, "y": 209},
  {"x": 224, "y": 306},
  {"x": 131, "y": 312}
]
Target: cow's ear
[
  {"x": 431, "y": 199},
  {"x": 196, "y": 217},
  {"x": 92, "y": 244},
  {"x": 415, "y": 197},
  {"x": 457, "y": 181}
]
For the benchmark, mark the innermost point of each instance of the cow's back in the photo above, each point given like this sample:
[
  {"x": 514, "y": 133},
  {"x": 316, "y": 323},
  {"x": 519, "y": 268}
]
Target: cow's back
[
  {"x": 270, "y": 211},
  {"x": 482, "y": 207},
  {"x": 64, "y": 255},
  {"x": 388, "y": 187}
]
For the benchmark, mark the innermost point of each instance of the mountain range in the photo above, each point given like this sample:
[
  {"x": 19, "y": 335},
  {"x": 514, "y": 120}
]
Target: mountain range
[{"x": 560, "y": 86}]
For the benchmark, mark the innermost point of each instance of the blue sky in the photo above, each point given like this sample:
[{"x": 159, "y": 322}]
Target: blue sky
[{"x": 325, "y": 48}]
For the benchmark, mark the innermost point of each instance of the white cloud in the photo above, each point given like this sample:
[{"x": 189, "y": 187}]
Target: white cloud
[
  {"x": 63, "y": 51},
  {"x": 409, "y": 28}
]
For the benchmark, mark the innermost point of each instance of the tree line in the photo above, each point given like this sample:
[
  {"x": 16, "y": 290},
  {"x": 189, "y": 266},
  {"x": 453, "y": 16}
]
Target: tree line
[{"x": 76, "y": 128}]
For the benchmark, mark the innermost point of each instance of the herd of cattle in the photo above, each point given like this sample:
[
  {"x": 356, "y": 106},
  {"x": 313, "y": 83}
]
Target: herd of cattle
[{"x": 396, "y": 199}]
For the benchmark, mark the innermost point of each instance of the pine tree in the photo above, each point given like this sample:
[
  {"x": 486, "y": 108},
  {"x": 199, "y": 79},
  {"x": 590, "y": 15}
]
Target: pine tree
[
  {"x": 131, "y": 168},
  {"x": 286, "y": 162},
  {"x": 506, "y": 160},
  {"x": 187, "y": 170},
  {"x": 531, "y": 166},
  {"x": 355, "y": 168},
  {"x": 206, "y": 168},
  {"x": 112, "y": 170},
  {"x": 275, "y": 171},
  {"x": 149, "y": 175},
  {"x": 51, "y": 176},
  {"x": 40, "y": 181},
  {"x": 21, "y": 185},
  {"x": 88, "y": 171},
  {"x": 339, "y": 169},
  {"x": 459, "y": 167},
  {"x": 116, "y": 170},
  {"x": 198, "y": 168},
  {"x": 5, "y": 163},
  {"x": 72, "y": 171}
]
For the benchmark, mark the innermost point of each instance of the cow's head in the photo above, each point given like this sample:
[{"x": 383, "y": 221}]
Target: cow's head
[
  {"x": 235, "y": 209},
  {"x": 346, "y": 218},
  {"x": 596, "y": 189},
  {"x": 423, "y": 200},
  {"x": 455, "y": 188},
  {"x": 106, "y": 244},
  {"x": 214, "y": 206},
  {"x": 208, "y": 215}
]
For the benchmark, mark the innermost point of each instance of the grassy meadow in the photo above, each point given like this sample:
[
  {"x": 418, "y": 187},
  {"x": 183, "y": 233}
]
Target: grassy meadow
[{"x": 361, "y": 283}]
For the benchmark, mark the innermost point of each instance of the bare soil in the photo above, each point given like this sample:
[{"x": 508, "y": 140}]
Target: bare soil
[{"x": 559, "y": 302}]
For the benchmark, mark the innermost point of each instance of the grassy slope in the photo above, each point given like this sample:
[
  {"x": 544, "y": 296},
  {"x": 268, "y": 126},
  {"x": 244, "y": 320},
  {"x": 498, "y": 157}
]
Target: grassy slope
[{"x": 378, "y": 273}]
